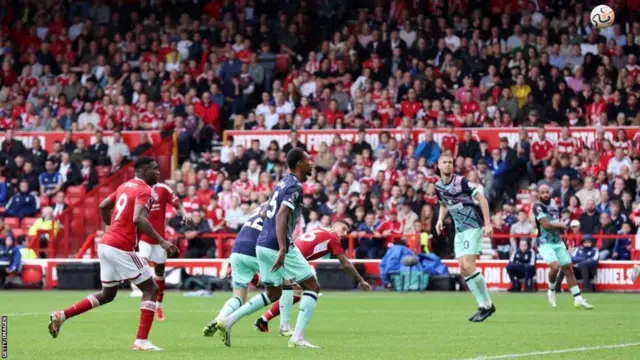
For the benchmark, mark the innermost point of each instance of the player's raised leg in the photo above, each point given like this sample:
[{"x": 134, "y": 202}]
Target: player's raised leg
[
  {"x": 103, "y": 297},
  {"x": 243, "y": 272},
  {"x": 272, "y": 281},
  {"x": 112, "y": 262}
]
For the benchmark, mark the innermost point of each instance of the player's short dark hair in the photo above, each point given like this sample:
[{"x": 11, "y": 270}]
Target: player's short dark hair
[
  {"x": 342, "y": 222},
  {"x": 294, "y": 156},
  {"x": 142, "y": 162}
]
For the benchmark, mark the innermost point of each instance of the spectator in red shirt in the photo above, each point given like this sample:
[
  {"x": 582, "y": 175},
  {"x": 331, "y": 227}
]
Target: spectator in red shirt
[
  {"x": 540, "y": 155},
  {"x": 390, "y": 229}
]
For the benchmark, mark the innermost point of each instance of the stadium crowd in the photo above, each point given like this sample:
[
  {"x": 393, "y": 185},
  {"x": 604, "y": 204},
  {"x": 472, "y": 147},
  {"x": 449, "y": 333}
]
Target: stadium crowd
[{"x": 197, "y": 68}]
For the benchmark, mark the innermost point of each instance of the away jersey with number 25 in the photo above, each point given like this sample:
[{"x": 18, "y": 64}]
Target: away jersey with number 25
[
  {"x": 287, "y": 192},
  {"x": 122, "y": 233}
]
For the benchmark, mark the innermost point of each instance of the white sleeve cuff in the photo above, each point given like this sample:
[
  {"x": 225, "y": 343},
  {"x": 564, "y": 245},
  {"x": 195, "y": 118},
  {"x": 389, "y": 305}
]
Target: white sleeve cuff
[{"x": 289, "y": 205}]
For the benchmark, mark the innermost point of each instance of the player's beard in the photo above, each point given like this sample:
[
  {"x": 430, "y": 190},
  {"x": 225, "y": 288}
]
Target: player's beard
[{"x": 546, "y": 201}]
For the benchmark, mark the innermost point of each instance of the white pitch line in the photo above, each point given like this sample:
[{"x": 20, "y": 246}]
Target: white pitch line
[
  {"x": 551, "y": 352},
  {"x": 108, "y": 311}
]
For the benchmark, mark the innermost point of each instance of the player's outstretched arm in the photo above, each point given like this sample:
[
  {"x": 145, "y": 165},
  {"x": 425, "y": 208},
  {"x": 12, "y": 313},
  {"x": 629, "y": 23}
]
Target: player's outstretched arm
[
  {"x": 351, "y": 270},
  {"x": 548, "y": 225},
  {"x": 105, "y": 209}
]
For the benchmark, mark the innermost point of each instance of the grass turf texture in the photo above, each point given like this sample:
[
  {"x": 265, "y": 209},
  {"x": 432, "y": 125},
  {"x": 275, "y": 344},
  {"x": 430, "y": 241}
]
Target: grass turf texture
[{"x": 379, "y": 325}]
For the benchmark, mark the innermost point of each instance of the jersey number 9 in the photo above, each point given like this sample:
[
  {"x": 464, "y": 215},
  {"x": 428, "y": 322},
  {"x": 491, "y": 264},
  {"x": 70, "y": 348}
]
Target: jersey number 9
[{"x": 121, "y": 204}]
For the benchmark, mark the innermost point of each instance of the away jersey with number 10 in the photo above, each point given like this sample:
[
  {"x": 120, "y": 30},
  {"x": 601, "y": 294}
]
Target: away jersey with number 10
[
  {"x": 122, "y": 233},
  {"x": 318, "y": 243},
  {"x": 287, "y": 192}
]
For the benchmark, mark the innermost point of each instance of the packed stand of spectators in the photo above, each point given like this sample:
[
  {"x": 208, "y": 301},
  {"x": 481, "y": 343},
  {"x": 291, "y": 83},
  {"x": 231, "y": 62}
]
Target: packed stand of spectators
[{"x": 196, "y": 68}]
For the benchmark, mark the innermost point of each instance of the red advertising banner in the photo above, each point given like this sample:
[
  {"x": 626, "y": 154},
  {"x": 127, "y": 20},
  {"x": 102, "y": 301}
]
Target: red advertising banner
[
  {"x": 131, "y": 138},
  {"x": 313, "y": 138},
  {"x": 611, "y": 275}
]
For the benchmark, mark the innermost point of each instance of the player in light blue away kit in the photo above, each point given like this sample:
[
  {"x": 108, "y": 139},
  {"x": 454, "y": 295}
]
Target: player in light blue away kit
[
  {"x": 278, "y": 257},
  {"x": 552, "y": 248},
  {"x": 244, "y": 266},
  {"x": 456, "y": 196}
]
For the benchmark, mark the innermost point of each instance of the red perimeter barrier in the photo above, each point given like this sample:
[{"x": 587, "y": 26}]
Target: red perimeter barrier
[
  {"x": 611, "y": 275},
  {"x": 224, "y": 243},
  {"x": 47, "y": 139},
  {"x": 81, "y": 219},
  {"x": 313, "y": 138}
]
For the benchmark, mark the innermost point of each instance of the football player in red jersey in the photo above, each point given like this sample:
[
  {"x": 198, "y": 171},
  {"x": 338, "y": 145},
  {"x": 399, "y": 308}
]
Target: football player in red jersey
[
  {"x": 125, "y": 213},
  {"x": 313, "y": 245},
  {"x": 149, "y": 249}
]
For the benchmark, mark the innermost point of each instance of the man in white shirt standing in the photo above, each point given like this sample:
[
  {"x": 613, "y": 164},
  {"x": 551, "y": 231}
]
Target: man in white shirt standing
[
  {"x": 617, "y": 162},
  {"x": 89, "y": 116},
  {"x": 118, "y": 147}
]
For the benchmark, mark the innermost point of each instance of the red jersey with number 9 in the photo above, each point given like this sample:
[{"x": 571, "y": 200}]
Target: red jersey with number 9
[
  {"x": 318, "y": 243},
  {"x": 122, "y": 233},
  {"x": 164, "y": 196}
]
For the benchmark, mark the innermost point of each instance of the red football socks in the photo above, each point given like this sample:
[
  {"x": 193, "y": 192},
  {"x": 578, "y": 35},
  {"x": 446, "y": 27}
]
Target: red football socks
[
  {"x": 147, "y": 311},
  {"x": 275, "y": 309},
  {"x": 161, "y": 287},
  {"x": 256, "y": 280},
  {"x": 81, "y": 306}
]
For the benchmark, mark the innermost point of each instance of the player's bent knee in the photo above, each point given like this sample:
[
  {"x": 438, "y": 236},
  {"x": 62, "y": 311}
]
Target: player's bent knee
[
  {"x": 555, "y": 266},
  {"x": 107, "y": 295},
  {"x": 274, "y": 293},
  {"x": 311, "y": 284}
]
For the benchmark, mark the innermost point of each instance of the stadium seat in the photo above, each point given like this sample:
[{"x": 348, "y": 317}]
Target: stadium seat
[
  {"x": 103, "y": 172},
  {"x": 12, "y": 223},
  {"x": 32, "y": 274},
  {"x": 44, "y": 201},
  {"x": 76, "y": 191},
  {"x": 27, "y": 222},
  {"x": 18, "y": 232}
]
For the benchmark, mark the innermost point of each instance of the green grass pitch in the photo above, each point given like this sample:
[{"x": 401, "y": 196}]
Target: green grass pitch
[{"x": 379, "y": 325}]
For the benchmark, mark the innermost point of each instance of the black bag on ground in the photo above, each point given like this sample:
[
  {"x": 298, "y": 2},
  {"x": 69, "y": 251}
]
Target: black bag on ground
[{"x": 78, "y": 276}]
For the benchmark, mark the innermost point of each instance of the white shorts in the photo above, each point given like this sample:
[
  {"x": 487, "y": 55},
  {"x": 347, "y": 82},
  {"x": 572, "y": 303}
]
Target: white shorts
[
  {"x": 153, "y": 253},
  {"x": 117, "y": 265}
]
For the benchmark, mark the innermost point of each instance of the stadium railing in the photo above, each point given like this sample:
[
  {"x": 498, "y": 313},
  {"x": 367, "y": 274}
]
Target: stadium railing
[
  {"x": 81, "y": 219},
  {"x": 224, "y": 242}
]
